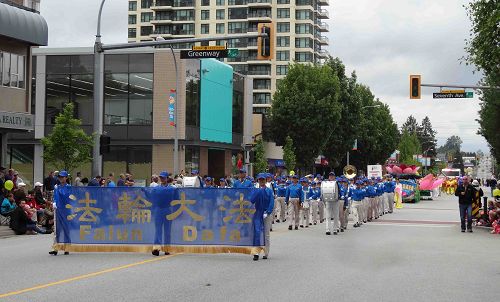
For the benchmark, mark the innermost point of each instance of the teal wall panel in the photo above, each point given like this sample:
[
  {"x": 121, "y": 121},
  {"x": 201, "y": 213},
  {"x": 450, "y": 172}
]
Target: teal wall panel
[{"x": 216, "y": 98}]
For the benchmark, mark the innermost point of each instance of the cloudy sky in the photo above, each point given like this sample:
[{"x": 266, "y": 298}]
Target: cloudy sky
[{"x": 383, "y": 40}]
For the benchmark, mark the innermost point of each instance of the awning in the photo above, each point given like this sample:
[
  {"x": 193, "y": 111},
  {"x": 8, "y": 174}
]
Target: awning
[
  {"x": 23, "y": 25},
  {"x": 276, "y": 162}
]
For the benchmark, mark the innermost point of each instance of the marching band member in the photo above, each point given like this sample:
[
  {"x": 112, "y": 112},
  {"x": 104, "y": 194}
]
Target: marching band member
[
  {"x": 331, "y": 200},
  {"x": 263, "y": 198},
  {"x": 61, "y": 192},
  {"x": 321, "y": 204},
  {"x": 222, "y": 184},
  {"x": 243, "y": 181},
  {"x": 195, "y": 173},
  {"x": 372, "y": 209},
  {"x": 344, "y": 207},
  {"x": 380, "y": 197},
  {"x": 390, "y": 186},
  {"x": 306, "y": 205},
  {"x": 293, "y": 199},
  {"x": 357, "y": 198},
  {"x": 315, "y": 202},
  {"x": 280, "y": 205}
]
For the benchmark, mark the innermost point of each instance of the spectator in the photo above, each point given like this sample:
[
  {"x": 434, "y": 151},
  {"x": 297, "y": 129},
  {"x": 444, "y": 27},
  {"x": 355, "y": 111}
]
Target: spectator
[
  {"x": 95, "y": 182},
  {"x": 85, "y": 181},
  {"x": 8, "y": 205},
  {"x": 129, "y": 180},
  {"x": 49, "y": 184},
  {"x": 78, "y": 179},
  {"x": 492, "y": 184},
  {"x": 121, "y": 181},
  {"x": 9, "y": 175},
  {"x": 465, "y": 193},
  {"x": 2, "y": 182},
  {"x": 154, "y": 181},
  {"x": 47, "y": 219},
  {"x": 21, "y": 222},
  {"x": 38, "y": 194},
  {"x": 110, "y": 181}
]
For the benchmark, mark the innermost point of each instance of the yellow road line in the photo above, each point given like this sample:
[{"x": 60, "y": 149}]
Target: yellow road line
[{"x": 109, "y": 270}]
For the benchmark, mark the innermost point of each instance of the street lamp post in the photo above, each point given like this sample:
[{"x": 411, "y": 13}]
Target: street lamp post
[
  {"x": 98, "y": 97},
  {"x": 425, "y": 158}
]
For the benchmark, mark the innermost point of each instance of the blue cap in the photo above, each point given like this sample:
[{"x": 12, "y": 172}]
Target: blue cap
[
  {"x": 63, "y": 173},
  {"x": 295, "y": 176},
  {"x": 262, "y": 176},
  {"x": 318, "y": 175},
  {"x": 222, "y": 179},
  {"x": 164, "y": 174},
  {"x": 331, "y": 173},
  {"x": 194, "y": 172},
  {"x": 208, "y": 178},
  {"x": 313, "y": 183},
  {"x": 303, "y": 179},
  {"x": 288, "y": 182},
  {"x": 243, "y": 171}
]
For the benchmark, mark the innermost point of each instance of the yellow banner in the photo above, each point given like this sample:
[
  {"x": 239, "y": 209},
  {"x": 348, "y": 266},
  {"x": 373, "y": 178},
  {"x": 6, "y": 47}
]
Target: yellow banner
[{"x": 453, "y": 91}]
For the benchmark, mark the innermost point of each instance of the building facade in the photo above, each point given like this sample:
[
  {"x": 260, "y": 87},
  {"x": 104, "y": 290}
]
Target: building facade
[
  {"x": 299, "y": 29},
  {"x": 138, "y": 85},
  {"x": 21, "y": 28}
]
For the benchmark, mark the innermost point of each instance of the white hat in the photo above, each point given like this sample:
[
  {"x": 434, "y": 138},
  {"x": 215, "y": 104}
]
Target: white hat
[
  {"x": 475, "y": 182},
  {"x": 21, "y": 184},
  {"x": 38, "y": 184}
]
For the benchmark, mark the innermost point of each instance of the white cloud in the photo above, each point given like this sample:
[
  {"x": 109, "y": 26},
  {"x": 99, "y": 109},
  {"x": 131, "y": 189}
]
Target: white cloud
[{"x": 386, "y": 41}]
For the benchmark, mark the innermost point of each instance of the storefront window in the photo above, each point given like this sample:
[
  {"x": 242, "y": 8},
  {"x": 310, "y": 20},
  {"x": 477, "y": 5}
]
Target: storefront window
[
  {"x": 20, "y": 158},
  {"x": 193, "y": 93},
  {"x": 192, "y": 158},
  {"x": 129, "y": 159}
]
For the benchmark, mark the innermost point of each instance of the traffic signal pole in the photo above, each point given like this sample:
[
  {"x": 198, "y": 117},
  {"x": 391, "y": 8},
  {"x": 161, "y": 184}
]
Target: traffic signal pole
[{"x": 99, "y": 49}]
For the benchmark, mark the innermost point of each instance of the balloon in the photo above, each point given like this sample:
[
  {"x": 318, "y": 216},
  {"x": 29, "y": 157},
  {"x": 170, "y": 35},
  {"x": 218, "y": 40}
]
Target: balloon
[
  {"x": 437, "y": 183},
  {"x": 9, "y": 185},
  {"x": 416, "y": 169}
]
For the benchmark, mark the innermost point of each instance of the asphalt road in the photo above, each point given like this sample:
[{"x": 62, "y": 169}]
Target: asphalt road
[{"x": 416, "y": 254}]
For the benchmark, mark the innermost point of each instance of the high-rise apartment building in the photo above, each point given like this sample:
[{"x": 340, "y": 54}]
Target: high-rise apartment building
[{"x": 299, "y": 29}]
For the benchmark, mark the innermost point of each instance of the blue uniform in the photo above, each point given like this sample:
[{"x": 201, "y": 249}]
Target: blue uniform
[
  {"x": 281, "y": 190},
  {"x": 243, "y": 184},
  {"x": 263, "y": 198},
  {"x": 294, "y": 191}
]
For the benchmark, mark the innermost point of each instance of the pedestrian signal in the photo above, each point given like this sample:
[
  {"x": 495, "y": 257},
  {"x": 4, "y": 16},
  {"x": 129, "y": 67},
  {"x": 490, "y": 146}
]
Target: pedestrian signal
[
  {"x": 265, "y": 46},
  {"x": 415, "y": 87}
]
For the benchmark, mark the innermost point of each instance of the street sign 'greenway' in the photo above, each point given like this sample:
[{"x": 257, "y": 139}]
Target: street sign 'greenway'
[{"x": 206, "y": 52}]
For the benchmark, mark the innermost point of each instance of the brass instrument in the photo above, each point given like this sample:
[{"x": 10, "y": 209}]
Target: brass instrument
[{"x": 350, "y": 171}]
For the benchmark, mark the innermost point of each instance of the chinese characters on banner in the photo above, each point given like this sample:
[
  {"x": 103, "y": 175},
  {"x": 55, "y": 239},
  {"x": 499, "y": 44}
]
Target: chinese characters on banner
[
  {"x": 171, "y": 107},
  {"x": 136, "y": 219}
]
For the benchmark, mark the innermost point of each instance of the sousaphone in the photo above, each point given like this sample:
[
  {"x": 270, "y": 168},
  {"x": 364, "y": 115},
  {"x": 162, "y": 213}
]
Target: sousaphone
[{"x": 350, "y": 171}]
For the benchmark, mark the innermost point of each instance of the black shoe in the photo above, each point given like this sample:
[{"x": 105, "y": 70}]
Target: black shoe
[
  {"x": 278, "y": 221},
  {"x": 335, "y": 233},
  {"x": 255, "y": 257},
  {"x": 307, "y": 226},
  {"x": 469, "y": 230},
  {"x": 156, "y": 252},
  {"x": 66, "y": 253},
  {"x": 315, "y": 223},
  {"x": 296, "y": 228},
  {"x": 284, "y": 220},
  {"x": 301, "y": 226},
  {"x": 264, "y": 257},
  {"x": 356, "y": 225},
  {"x": 53, "y": 253},
  {"x": 290, "y": 227},
  {"x": 310, "y": 223},
  {"x": 328, "y": 233},
  {"x": 167, "y": 253},
  {"x": 270, "y": 230},
  {"x": 342, "y": 230},
  {"x": 463, "y": 231},
  {"x": 331, "y": 219}
]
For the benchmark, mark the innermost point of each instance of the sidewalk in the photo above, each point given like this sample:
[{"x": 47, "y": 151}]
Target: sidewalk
[{"x": 6, "y": 232}]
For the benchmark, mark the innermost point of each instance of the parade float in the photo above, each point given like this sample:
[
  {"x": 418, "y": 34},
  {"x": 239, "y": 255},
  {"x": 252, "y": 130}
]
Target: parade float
[{"x": 408, "y": 179}]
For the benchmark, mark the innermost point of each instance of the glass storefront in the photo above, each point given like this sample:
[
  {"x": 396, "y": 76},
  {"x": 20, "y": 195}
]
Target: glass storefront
[{"x": 136, "y": 160}]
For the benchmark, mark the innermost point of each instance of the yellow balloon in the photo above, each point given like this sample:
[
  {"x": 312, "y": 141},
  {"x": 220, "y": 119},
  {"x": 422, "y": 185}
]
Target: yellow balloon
[
  {"x": 9, "y": 185},
  {"x": 292, "y": 173}
]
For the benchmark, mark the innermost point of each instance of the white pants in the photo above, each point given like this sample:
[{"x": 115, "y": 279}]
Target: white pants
[
  {"x": 321, "y": 209},
  {"x": 343, "y": 214},
  {"x": 356, "y": 209},
  {"x": 293, "y": 214},
  {"x": 332, "y": 211},
  {"x": 381, "y": 204},
  {"x": 390, "y": 202},
  {"x": 366, "y": 208},
  {"x": 314, "y": 210},
  {"x": 280, "y": 208},
  {"x": 304, "y": 216},
  {"x": 267, "y": 234}
]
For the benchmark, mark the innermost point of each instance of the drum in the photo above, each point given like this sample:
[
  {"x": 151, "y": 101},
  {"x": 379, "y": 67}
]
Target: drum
[
  {"x": 329, "y": 190},
  {"x": 191, "y": 182}
]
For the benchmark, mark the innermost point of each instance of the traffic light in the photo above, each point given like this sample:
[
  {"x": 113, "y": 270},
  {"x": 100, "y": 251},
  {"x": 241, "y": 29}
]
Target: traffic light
[
  {"x": 104, "y": 144},
  {"x": 265, "y": 44},
  {"x": 415, "y": 87}
]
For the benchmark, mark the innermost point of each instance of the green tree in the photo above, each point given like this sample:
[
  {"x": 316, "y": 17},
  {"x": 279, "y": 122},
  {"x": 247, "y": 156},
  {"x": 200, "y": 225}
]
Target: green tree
[
  {"x": 411, "y": 125},
  {"x": 260, "y": 164},
  {"x": 306, "y": 108},
  {"x": 428, "y": 141},
  {"x": 453, "y": 145},
  {"x": 409, "y": 145},
  {"x": 289, "y": 154},
  {"x": 484, "y": 53},
  {"x": 67, "y": 146}
]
